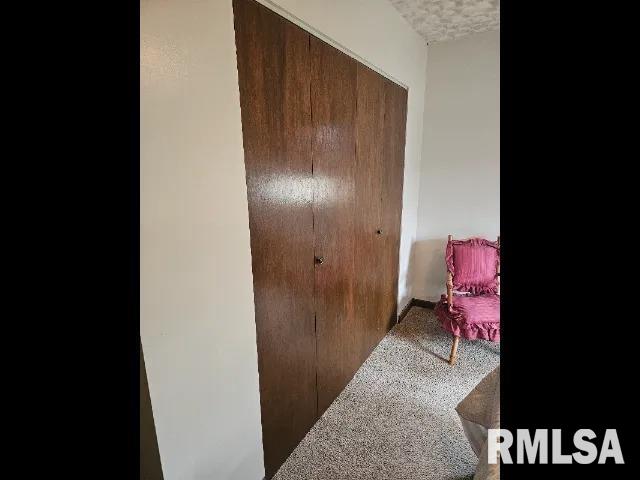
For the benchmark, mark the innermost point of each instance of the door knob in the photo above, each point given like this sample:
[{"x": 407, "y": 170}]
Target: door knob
[{"x": 319, "y": 260}]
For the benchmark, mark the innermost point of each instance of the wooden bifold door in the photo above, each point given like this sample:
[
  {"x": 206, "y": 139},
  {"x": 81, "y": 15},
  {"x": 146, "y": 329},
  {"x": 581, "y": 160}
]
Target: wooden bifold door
[{"x": 324, "y": 142}]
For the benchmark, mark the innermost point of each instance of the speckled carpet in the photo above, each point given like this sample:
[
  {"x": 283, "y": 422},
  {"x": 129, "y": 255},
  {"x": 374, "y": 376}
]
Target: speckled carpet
[{"x": 396, "y": 419}]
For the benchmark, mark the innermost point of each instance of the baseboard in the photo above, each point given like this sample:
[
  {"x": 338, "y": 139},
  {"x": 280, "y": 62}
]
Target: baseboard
[
  {"x": 423, "y": 303},
  {"x": 415, "y": 302}
]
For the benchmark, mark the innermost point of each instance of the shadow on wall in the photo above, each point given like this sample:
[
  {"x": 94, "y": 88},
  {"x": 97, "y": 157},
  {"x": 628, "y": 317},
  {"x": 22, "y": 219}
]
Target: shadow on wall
[{"x": 427, "y": 274}]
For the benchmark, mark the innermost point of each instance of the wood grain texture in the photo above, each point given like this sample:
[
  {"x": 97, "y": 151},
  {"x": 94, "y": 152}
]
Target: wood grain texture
[
  {"x": 370, "y": 234},
  {"x": 324, "y": 157},
  {"x": 274, "y": 78},
  {"x": 395, "y": 121},
  {"x": 333, "y": 100}
]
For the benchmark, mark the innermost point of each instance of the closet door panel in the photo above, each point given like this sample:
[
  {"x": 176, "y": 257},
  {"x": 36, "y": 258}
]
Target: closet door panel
[
  {"x": 274, "y": 79},
  {"x": 333, "y": 100},
  {"x": 370, "y": 232},
  {"x": 391, "y": 194}
]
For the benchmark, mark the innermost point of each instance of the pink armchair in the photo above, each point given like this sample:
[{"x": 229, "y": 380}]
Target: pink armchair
[{"x": 471, "y": 307}]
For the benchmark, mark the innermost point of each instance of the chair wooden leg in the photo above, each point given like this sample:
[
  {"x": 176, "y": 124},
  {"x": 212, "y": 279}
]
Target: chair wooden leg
[{"x": 454, "y": 350}]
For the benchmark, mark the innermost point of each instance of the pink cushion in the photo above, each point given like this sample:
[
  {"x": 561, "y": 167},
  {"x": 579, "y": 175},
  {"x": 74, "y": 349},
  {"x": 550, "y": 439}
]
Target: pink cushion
[
  {"x": 472, "y": 316},
  {"x": 478, "y": 309},
  {"x": 474, "y": 265}
]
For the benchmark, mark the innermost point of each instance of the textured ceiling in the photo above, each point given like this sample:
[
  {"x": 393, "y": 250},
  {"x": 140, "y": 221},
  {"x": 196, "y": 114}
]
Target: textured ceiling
[{"x": 440, "y": 20}]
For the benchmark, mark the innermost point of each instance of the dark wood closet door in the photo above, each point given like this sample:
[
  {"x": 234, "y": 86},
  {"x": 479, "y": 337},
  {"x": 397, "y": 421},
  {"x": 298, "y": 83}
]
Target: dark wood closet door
[
  {"x": 370, "y": 231},
  {"x": 324, "y": 156},
  {"x": 274, "y": 77},
  {"x": 395, "y": 120},
  {"x": 333, "y": 100},
  {"x": 380, "y": 133}
]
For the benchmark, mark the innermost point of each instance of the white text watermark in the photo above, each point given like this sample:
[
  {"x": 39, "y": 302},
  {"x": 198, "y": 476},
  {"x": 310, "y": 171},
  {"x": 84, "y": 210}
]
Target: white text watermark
[{"x": 546, "y": 446}]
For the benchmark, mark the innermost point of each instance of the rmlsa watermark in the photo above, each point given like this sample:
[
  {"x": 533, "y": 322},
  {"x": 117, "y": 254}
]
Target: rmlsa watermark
[{"x": 528, "y": 449}]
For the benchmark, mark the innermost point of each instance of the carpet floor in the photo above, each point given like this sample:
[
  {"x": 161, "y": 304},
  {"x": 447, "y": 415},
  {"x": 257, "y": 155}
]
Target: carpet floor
[{"x": 395, "y": 420}]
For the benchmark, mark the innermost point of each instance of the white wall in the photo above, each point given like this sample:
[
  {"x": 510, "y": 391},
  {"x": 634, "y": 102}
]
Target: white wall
[
  {"x": 460, "y": 177},
  {"x": 197, "y": 317}
]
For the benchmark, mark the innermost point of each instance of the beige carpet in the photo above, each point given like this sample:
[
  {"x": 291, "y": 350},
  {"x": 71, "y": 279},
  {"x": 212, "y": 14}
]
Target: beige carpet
[{"x": 396, "y": 419}]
